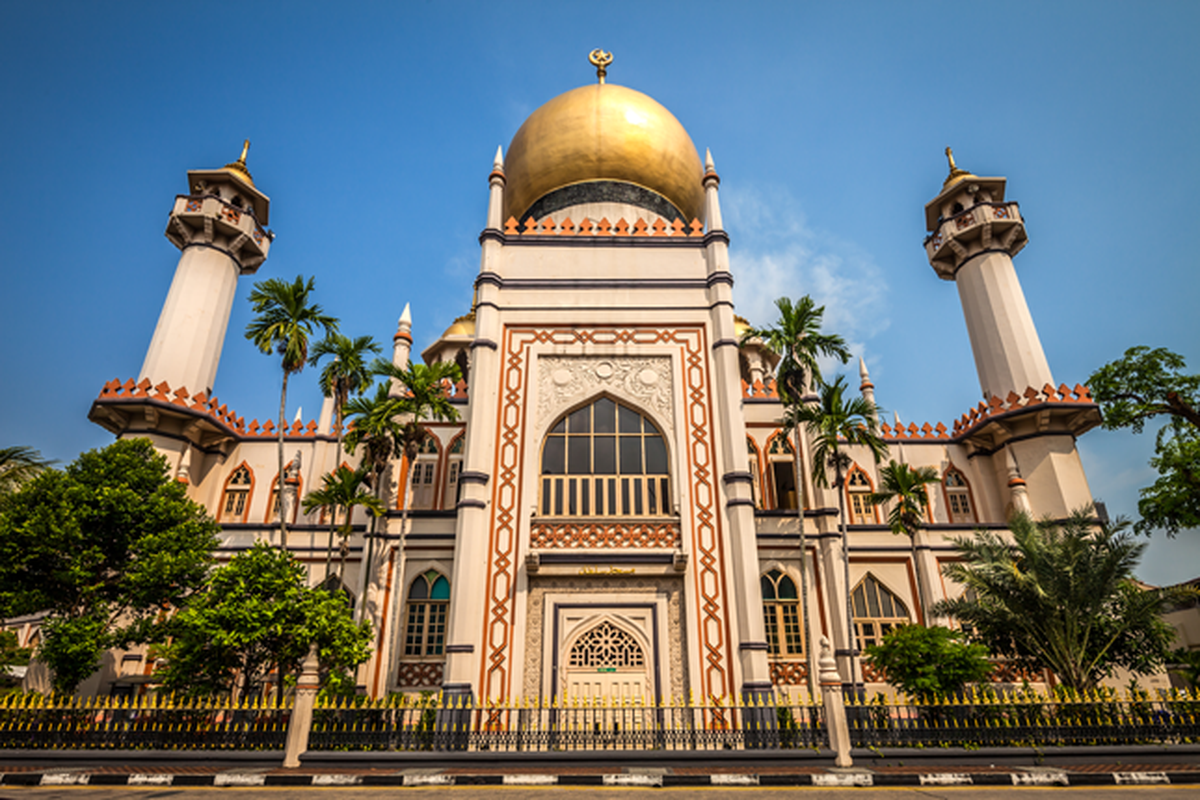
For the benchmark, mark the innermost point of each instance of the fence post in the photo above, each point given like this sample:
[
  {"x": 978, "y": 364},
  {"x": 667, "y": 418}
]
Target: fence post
[
  {"x": 835, "y": 707},
  {"x": 300, "y": 724}
]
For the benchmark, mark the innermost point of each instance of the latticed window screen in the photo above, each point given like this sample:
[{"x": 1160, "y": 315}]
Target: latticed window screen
[
  {"x": 605, "y": 459},
  {"x": 862, "y": 510},
  {"x": 425, "y": 630},
  {"x": 958, "y": 497},
  {"x": 752, "y": 465},
  {"x": 606, "y": 645},
  {"x": 781, "y": 613},
  {"x": 876, "y": 611},
  {"x": 237, "y": 495},
  {"x": 781, "y": 458}
]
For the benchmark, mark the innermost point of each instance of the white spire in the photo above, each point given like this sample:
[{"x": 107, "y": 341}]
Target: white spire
[
  {"x": 862, "y": 370},
  {"x": 498, "y": 162},
  {"x": 299, "y": 414},
  {"x": 708, "y": 162},
  {"x": 405, "y": 318},
  {"x": 896, "y": 418}
]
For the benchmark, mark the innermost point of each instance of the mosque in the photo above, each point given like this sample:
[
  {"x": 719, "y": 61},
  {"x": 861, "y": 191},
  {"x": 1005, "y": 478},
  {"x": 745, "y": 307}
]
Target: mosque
[{"x": 617, "y": 512}]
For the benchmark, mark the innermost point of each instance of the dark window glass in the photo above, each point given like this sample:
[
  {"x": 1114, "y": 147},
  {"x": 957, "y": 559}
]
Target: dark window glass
[
  {"x": 605, "y": 455},
  {"x": 605, "y": 419},
  {"x": 580, "y": 421},
  {"x": 656, "y": 456},
  {"x": 552, "y": 456},
  {"x": 419, "y": 590},
  {"x": 629, "y": 420},
  {"x": 441, "y": 589},
  {"x": 579, "y": 456},
  {"x": 631, "y": 455},
  {"x": 787, "y": 589},
  {"x": 561, "y": 427}
]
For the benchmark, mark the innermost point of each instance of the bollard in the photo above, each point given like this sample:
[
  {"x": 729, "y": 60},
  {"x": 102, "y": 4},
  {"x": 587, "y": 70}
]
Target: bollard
[
  {"x": 835, "y": 708},
  {"x": 302, "y": 709}
]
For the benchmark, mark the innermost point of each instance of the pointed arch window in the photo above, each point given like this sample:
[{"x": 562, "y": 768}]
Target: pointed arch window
[
  {"x": 607, "y": 647},
  {"x": 876, "y": 611},
  {"x": 294, "y": 493},
  {"x": 958, "y": 496},
  {"x": 604, "y": 459},
  {"x": 425, "y": 622},
  {"x": 235, "y": 504},
  {"x": 781, "y": 613},
  {"x": 858, "y": 489},
  {"x": 755, "y": 476},
  {"x": 453, "y": 472},
  {"x": 782, "y": 463},
  {"x": 424, "y": 473}
]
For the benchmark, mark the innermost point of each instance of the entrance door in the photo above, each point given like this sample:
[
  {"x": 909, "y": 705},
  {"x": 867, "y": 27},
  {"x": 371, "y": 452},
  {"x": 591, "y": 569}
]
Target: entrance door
[{"x": 607, "y": 666}]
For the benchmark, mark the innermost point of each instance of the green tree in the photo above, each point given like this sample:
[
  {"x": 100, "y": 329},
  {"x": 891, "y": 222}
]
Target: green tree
[
  {"x": 1061, "y": 596},
  {"x": 1142, "y": 385},
  {"x": 1186, "y": 664},
  {"x": 929, "y": 662},
  {"x": 285, "y": 320},
  {"x": 17, "y": 466},
  {"x": 836, "y": 421},
  {"x": 256, "y": 614},
  {"x": 345, "y": 374},
  {"x": 11, "y": 656},
  {"x": 904, "y": 487},
  {"x": 104, "y": 546},
  {"x": 797, "y": 339},
  {"x": 343, "y": 490}
]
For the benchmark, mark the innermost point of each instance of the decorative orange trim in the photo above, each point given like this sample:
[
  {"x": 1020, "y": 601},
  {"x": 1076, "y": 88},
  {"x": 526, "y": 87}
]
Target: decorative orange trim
[
  {"x": 249, "y": 493},
  {"x": 854, "y": 467},
  {"x": 970, "y": 493}
]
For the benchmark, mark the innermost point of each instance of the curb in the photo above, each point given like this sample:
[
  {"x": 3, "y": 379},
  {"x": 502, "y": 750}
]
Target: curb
[{"x": 823, "y": 779}]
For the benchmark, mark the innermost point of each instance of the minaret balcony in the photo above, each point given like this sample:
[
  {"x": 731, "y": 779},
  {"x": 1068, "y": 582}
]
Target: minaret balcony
[
  {"x": 209, "y": 219},
  {"x": 982, "y": 227}
]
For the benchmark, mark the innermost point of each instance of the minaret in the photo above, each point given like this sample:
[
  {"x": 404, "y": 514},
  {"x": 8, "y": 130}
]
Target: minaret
[
  {"x": 973, "y": 236},
  {"x": 219, "y": 229},
  {"x": 401, "y": 346}
]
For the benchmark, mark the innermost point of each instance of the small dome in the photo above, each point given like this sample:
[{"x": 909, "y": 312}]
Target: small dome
[
  {"x": 239, "y": 168},
  {"x": 603, "y": 134},
  {"x": 463, "y": 326}
]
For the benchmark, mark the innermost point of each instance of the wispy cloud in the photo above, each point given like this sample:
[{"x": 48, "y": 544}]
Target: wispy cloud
[{"x": 777, "y": 253}]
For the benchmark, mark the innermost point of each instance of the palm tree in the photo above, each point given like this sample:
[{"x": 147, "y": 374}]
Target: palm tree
[
  {"x": 19, "y": 464},
  {"x": 833, "y": 421},
  {"x": 372, "y": 423},
  {"x": 906, "y": 486},
  {"x": 345, "y": 375},
  {"x": 286, "y": 319},
  {"x": 797, "y": 339},
  {"x": 1061, "y": 595},
  {"x": 343, "y": 489}
]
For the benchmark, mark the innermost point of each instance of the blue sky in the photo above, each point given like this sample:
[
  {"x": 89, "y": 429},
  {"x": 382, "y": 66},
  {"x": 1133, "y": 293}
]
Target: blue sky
[{"x": 374, "y": 125}]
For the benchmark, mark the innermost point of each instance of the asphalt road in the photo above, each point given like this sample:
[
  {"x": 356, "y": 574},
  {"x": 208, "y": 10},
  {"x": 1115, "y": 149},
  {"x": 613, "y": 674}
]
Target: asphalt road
[{"x": 585, "y": 792}]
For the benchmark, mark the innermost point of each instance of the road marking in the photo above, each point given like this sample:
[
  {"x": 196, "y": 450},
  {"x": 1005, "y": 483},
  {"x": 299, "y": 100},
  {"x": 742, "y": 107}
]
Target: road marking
[
  {"x": 633, "y": 780},
  {"x": 65, "y": 779},
  {"x": 336, "y": 779},
  {"x": 1039, "y": 779},
  {"x": 530, "y": 780},
  {"x": 149, "y": 779},
  {"x": 429, "y": 780},
  {"x": 238, "y": 779},
  {"x": 842, "y": 779},
  {"x": 1140, "y": 777},
  {"x": 946, "y": 779},
  {"x": 728, "y": 779}
]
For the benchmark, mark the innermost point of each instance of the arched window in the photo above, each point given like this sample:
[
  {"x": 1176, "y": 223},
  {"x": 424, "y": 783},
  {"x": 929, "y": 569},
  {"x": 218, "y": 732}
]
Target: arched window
[
  {"x": 781, "y": 612},
  {"x": 876, "y": 611},
  {"x": 334, "y": 585},
  {"x": 605, "y": 459},
  {"x": 782, "y": 460},
  {"x": 958, "y": 496},
  {"x": 425, "y": 630},
  {"x": 858, "y": 487},
  {"x": 755, "y": 478},
  {"x": 453, "y": 471},
  {"x": 424, "y": 472},
  {"x": 236, "y": 502},
  {"x": 606, "y": 647},
  {"x": 295, "y": 495}
]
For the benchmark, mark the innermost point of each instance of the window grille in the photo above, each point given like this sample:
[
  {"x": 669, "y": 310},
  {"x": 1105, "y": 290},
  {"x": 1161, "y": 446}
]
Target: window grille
[
  {"x": 858, "y": 486},
  {"x": 781, "y": 613},
  {"x": 606, "y": 645},
  {"x": 425, "y": 628},
  {"x": 958, "y": 496},
  {"x": 876, "y": 611},
  {"x": 604, "y": 460},
  {"x": 237, "y": 495}
]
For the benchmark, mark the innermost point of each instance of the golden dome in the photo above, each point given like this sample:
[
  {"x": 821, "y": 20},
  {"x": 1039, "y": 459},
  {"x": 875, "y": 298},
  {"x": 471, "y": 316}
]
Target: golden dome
[
  {"x": 740, "y": 326},
  {"x": 603, "y": 132},
  {"x": 462, "y": 326},
  {"x": 238, "y": 167},
  {"x": 956, "y": 173}
]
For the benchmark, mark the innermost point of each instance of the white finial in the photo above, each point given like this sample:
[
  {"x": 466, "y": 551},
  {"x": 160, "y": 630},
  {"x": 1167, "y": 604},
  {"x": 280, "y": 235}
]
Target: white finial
[
  {"x": 405, "y": 318},
  {"x": 708, "y": 162},
  {"x": 896, "y": 418},
  {"x": 299, "y": 412},
  {"x": 862, "y": 370},
  {"x": 498, "y": 162}
]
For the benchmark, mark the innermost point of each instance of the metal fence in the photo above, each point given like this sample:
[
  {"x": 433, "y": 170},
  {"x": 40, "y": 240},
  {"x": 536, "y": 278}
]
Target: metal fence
[
  {"x": 433, "y": 723},
  {"x": 993, "y": 718},
  {"x": 144, "y": 723}
]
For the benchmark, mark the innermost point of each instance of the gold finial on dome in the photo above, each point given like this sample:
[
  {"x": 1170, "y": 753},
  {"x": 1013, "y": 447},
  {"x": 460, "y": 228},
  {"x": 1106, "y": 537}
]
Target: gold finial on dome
[
  {"x": 239, "y": 166},
  {"x": 956, "y": 174},
  {"x": 600, "y": 60}
]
